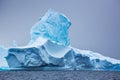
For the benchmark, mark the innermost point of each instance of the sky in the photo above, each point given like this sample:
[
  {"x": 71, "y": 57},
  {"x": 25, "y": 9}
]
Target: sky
[{"x": 95, "y": 23}]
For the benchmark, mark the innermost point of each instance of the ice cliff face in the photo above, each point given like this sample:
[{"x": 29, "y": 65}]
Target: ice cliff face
[{"x": 49, "y": 47}]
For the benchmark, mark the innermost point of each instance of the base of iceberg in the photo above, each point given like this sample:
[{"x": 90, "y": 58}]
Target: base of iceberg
[{"x": 43, "y": 57}]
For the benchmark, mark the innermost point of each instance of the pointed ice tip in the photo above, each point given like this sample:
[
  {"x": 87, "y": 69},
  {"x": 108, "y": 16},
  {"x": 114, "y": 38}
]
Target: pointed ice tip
[
  {"x": 14, "y": 43},
  {"x": 51, "y": 10}
]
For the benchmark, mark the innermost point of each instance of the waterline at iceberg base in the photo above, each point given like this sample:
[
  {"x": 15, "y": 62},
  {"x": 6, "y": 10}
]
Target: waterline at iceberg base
[{"x": 49, "y": 49}]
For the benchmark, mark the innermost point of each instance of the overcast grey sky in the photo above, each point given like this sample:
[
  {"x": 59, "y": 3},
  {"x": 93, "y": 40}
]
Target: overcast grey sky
[{"x": 95, "y": 23}]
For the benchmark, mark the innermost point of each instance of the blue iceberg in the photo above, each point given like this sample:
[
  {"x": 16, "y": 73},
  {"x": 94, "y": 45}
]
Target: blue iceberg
[{"x": 49, "y": 48}]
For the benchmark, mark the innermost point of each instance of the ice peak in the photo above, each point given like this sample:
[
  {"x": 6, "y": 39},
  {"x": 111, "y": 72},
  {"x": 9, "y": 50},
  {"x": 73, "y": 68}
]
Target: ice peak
[{"x": 53, "y": 26}]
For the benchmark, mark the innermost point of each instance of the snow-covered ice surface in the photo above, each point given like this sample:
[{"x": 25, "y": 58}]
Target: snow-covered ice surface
[{"x": 49, "y": 48}]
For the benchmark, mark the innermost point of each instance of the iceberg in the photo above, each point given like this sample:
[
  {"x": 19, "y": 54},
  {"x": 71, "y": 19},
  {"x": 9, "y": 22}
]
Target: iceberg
[{"x": 50, "y": 47}]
